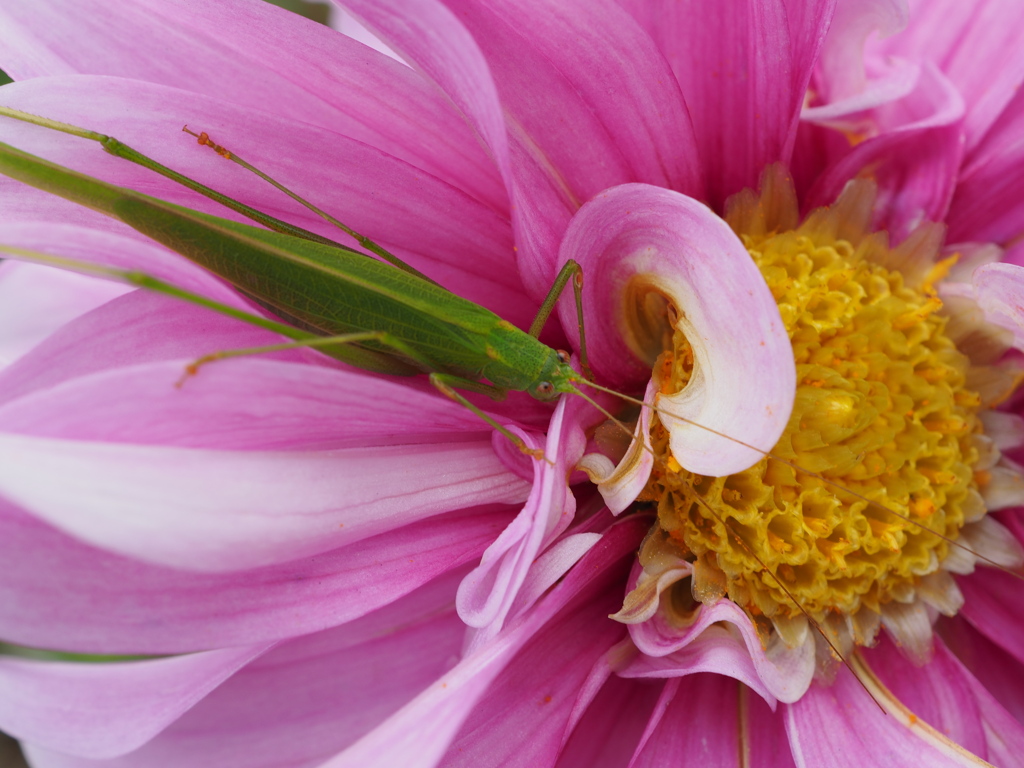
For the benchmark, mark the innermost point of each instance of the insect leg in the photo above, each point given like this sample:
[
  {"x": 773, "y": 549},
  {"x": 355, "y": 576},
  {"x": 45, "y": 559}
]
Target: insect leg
[
  {"x": 573, "y": 270},
  {"x": 446, "y": 383}
]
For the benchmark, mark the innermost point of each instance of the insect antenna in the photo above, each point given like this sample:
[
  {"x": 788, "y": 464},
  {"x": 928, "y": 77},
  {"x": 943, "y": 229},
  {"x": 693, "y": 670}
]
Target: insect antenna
[
  {"x": 620, "y": 425},
  {"x": 814, "y": 622},
  {"x": 817, "y": 475},
  {"x": 204, "y": 139}
]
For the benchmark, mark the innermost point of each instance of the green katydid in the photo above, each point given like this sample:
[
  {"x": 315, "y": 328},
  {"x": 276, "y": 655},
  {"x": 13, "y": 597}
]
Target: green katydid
[{"x": 359, "y": 310}]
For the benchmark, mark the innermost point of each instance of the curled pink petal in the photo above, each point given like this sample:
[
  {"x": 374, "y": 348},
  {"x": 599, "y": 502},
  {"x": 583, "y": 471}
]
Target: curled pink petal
[
  {"x": 784, "y": 673},
  {"x": 914, "y": 157},
  {"x": 486, "y": 595},
  {"x": 978, "y": 47},
  {"x": 999, "y": 289},
  {"x": 841, "y": 71},
  {"x": 621, "y": 484},
  {"x": 636, "y": 238}
]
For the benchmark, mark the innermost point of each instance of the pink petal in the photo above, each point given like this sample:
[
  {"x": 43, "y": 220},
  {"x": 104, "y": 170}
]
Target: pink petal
[
  {"x": 987, "y": 204},
  {"x": 35, "y": 301},
  {"x": 998, "y": 672},
  {"x": 991, "y": 604},
  {"x": 743, "y": 69},
  {"x": 940, "y": 693},
  {"x": 535, "y": 694},
  {"x": 840, "y": 725},
  {"x": 420, "y": 733},
  {"x": 623, "y": 118},
  {"x": 610, "y": 729},
  {"x": 914, "y": 158},
  {"x": 764, "y": 734},
  {"x": 947, "y": 696},
  {"x": 310, "y": 696},
  {"x": 675, "y": 245},
  {"x": 699, "y": 720},
  {"x": 107, "y": 709},
  {"x": 714, "y": 651},
  {"x": 254, "y": 54},
  {"x": 58, "y": 593}
]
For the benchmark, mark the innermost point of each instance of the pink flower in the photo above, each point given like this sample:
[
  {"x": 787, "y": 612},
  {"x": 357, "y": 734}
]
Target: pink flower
[{"x": 307, "y": 544}]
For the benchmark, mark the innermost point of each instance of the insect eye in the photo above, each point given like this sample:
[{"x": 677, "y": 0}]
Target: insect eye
[
  {"x": 563, "y": 356},
  {"x": 545, "y": 389}
]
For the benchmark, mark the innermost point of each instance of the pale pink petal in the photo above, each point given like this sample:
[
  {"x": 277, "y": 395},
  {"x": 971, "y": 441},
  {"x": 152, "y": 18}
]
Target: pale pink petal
[
  {"x": 107, "y": 709},
  {"x": 743, "y": 69},
  {"x": 987, "y": 203},
  {"x": 310, "y": 696},
  {"x": 700, "y": 722},
  {"x": 35, "y": 301},
  {"x": 896, "y": 82},
  {"x": 486, "y": 595},
  {"x": 222, "y": 50},
  {"x": 744, "y": 377},
  {"x": 244, "y": 404},
  {"x": 214, "y": 510},
  {"x": 979, "y": 46},
  {"x": 915, "y": 156},
  {"x": 551, "y": 566},
  {"x": 422, "y": 218},
  {"x": 420, "y": 733},
  {"x": 56, "y": 592},
  {"x": 841, "y": 725},
  {"x": 346, "y": 23}
]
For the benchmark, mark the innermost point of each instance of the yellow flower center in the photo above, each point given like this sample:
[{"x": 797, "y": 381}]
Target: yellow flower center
[{"x": 878, "y": 456}]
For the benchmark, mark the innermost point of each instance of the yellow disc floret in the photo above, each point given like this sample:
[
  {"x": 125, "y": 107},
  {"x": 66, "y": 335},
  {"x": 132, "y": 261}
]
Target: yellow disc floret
[{"x": 883, "y": 436}]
